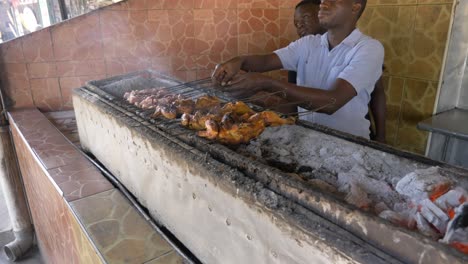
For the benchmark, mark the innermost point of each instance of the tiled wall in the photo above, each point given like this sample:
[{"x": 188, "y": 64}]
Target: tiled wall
[
  {"x": 414, "y": 33},
  {"x": 187, "y": 38}
]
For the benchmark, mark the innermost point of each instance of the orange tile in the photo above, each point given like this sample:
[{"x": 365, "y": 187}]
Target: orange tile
[
  {"x": 42, "y": 70},
  {"x": 258, "y": 3},
  {"x": 15, "y": 82},
  {"x": 37, "y": 47},
  {"x": 171, "y": 4},
  {"x": 171, "y": 33},
  {"x": 80, "y": 68},
  {"x": 287, "y": 31},
  {"x": 78, "y": 38},
  {"x": 216, "y": 32},
  {"x": 117, "y": 66},
  {"x": 11, "y": 52},
  {"x": 124, "y": 33},
  {"x": 67, "y": 84},
  {"x": 258, "y": 30},
  {"x": 46, "y": 94},
  {"x": 211, "y": 4},
  {"x": 288, "y": 3}
]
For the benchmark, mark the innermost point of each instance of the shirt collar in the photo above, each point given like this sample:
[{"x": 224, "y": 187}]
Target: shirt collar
[{"x": 351, "y": 40}]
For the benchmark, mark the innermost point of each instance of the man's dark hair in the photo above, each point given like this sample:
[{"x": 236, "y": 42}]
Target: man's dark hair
[
  {"x": 308, "y": 2},
  {"x": 363, "y": 6}
]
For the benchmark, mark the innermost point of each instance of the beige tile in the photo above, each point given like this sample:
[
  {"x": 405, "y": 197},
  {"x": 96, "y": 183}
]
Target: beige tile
[
  {"x": 120, "y": 233},
  {"x": 391, "y": 2},
  {"x": 392, "y": 26},
  {"x": 394, "y": 94},
  {"x": 428, "y": 41},
  {"x": 418, "y": 103}
]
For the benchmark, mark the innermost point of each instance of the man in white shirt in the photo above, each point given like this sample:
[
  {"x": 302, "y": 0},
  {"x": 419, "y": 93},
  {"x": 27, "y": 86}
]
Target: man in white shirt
[{"x": 338, "y": 69}]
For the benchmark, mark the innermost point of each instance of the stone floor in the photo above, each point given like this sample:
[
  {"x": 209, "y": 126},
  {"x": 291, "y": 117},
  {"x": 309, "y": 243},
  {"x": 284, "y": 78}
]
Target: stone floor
[{"x": 6, "y": 236}]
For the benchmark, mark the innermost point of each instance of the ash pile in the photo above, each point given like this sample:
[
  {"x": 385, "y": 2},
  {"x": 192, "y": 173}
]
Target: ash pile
[{"x": 405, "y": 192}]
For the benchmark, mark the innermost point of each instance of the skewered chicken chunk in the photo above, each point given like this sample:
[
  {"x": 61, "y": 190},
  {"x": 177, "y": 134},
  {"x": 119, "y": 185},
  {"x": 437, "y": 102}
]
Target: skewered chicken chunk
[
  {"x": 137, "y": 96},
  {"x": 232, "y": 134},
  {"x": 272, "y": 119},
  {"x": 239, "y": 108},
  {"x": 197, "y": 120},
  {"x": 184, "y": 106},
  {"x": 207, "y": 102},
  {"x": 212, "y": 130}
]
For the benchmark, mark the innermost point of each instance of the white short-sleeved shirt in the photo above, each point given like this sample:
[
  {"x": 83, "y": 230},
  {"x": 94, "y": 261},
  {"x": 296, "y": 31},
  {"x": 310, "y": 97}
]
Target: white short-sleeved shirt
[{"x": 358, "y": 59}]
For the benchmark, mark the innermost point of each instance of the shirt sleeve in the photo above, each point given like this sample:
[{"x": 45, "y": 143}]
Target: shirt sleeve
[
  {"x": 365, "y": 67},
  {"x": 290, "y": 54}
]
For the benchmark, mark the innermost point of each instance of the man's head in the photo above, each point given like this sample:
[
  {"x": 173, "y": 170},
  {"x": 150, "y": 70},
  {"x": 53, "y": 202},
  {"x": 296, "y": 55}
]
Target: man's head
[
  {"x": 306, "y": 18},
  {"x": 334, "y": 13}
]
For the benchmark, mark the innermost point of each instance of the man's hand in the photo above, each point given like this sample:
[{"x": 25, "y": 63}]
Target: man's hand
[
  {"x": 246, "y": 85},
  {"x": 224, "y": 72}
]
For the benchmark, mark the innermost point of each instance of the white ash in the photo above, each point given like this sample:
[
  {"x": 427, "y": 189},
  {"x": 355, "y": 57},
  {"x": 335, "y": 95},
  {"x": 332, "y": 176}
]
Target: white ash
[
  {"x": 424, "y": 227},
  {"x": 365, "y": 177},
  {"x": 331, "y": 159},
  {"x": 419, "y": 184},
  {"x": 451, "y": 199},
  {"x": 434, "y": 215}
]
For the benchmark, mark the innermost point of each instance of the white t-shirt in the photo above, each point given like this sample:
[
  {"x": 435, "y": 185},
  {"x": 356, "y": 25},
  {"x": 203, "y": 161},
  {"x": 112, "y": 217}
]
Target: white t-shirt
[{"x": 358, "y": 59}]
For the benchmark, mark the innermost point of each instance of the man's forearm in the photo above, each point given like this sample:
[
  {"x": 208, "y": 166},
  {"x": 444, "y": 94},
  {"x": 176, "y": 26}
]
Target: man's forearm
[
  {"x": 260, "y": 63},
  {"x": 305, "y": 97}
]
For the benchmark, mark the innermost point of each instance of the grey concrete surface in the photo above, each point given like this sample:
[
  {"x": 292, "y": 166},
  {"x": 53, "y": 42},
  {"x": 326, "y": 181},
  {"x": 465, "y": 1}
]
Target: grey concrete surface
[{"x": 6, "y": 236}]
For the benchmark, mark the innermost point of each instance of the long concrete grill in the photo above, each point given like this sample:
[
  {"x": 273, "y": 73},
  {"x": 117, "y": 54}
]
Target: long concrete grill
[{"x": 226, "y": 207}]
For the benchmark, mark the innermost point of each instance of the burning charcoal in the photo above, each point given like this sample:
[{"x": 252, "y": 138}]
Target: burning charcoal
[
  {"x": 457, "y": 231},
  {"x": 425, "y": 227},
  {"x": 451, "y": 199},
  {"x": 434, "y": 215},
  {"x": 398, "y": 219},
  {"x": 422, "y": 184}
]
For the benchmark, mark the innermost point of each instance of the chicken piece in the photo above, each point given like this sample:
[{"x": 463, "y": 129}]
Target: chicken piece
[
  {"x": 197, "y": 120},
  {"x": 228, "y": 120},
  {"x": 169, "y": 111},
  {"x": 184, "y": 106},
  {"x": 240, "y": 133},
  {"x": 272, "y": 119},
  {"x": 206, "y": 102},
  {"x": 135, "y": 99},
  {"x": 149, "y": 102},
  {"x": 238, "y": 108},
  {"x": 165, "y": 105},
  {"x": 212, "y": 130},
  {"x": 136, "y": 96}
]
